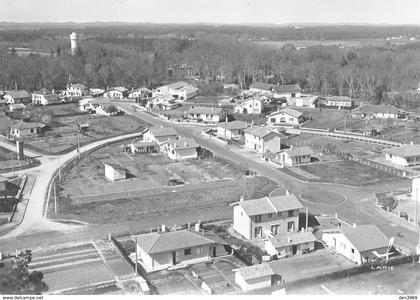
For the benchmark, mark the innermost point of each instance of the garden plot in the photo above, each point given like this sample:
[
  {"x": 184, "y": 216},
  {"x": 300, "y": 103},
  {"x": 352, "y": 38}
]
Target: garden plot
[{"x": 173, "y": 283}]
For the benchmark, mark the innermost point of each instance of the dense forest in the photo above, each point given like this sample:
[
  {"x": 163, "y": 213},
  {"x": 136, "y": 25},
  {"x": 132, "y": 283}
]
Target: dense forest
[{"x": 139, "y": 56}]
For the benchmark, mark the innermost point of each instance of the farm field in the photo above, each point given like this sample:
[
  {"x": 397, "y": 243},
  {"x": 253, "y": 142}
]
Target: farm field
[
  {"x": 347, "y": 172},
  {"x": 308, "y": 43}
]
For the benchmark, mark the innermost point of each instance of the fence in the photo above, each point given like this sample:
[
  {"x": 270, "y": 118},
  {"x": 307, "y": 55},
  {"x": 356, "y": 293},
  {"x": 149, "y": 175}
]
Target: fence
[{"x": 382, "y": 167}]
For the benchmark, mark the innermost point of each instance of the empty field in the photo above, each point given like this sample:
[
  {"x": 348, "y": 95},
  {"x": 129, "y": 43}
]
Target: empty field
[{"x": 347, "y": 172}]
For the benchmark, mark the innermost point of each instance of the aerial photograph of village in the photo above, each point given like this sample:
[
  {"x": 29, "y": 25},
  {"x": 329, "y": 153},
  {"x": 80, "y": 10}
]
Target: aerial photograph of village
[{"x": 195, "y": 147}]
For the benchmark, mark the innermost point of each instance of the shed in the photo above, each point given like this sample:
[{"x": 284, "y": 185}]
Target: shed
[
  {"x": 254, "y": 277},
  {"x": 115, "y": 172}
]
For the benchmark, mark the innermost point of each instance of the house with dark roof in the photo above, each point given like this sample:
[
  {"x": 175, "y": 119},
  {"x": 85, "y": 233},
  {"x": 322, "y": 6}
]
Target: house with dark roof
[
  {"x": 287, "y": 91},
  {"x": 260, "y": 87},
  {"x": 25, "y": 129},
  {"x": 295, "y": 156},
  {"x": 404, "y": 156},
  {"x": 76, "y": 90},
  {"x": 370, "y": 111},
  {"x": 286, "y": 116},
  {"x": 118, "y": 92},
  {"x": 164, "y": 249},
  {"x": 159, "y": 134},
  {"x": 162, "y": 102},
  {"x": 254, "y": 277},
  {"x": 206, "y": 114},
  {"x": 180, "y": 148},
  {"x": 338, "y": 102},
  {"x": 262, "y": 140},
  {"x": 44, "y": 97},
  {"x": 359, "y": 243},
  {"x": 232, "y": 130},
  {"x": 18, "y": 97},
  {"x": 114, "y": 171},
  {"x": 253, "y": 105},
  {"x": 268, "y": 216}
]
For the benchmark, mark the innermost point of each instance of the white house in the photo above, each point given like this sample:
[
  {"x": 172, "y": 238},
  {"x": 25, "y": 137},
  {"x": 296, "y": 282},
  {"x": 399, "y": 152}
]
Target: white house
[
  {"x": 259, "y": 218},
  {"x": 44, "y": 97},
  {"x": 376, "y": 112},
  {"x": 295, "y": 156},
  {"x": 180, "y": 148},
  {"x": 407, "y": 155},
  {"x": 254, "y": 277},
  {"x": 253, "y": 105},
  {"x": 140, "y": 93},
  {"x": 206, "y": 114},
  {"x": 286, "y": 116},
  {"x": 17, "y": 97},
  {"x": 233, "y": 130},
  {"x": 359, "y": 243},
  {"x": 290, "y": 243},
  {"x": 77, "y": 90},
  {"x": 17, "y": 107},
  {"x": 118, "y": 92},
  {"x": 25, "y": 129},
  {"x": 338, "y": 102},
  {"x": 162, "y": 102},
  {"x": 287, "y": 91},
  {"x": 161, "y": 250},
  {"x": 159, "y": 134},
  {"x": 180, "y": 90},
  {"x": 306, "y": 101},
  {"x": 262, "y": 140},
  {"x": 115, "y": 172},
  {"x": 260, "y": 87}
]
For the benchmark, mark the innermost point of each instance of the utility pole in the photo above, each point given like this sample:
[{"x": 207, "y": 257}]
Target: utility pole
[{"x": 226, "y": 142}]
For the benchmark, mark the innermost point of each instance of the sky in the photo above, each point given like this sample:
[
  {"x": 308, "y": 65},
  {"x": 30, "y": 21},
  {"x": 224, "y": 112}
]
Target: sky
[{"x": 213, "y": 11}]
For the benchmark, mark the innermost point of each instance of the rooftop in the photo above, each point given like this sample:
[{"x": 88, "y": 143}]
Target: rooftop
[
  {"x": 177, "y": 85},
  {"x": 255, "y": 271},
  {"x": 234, "y": 125},
  {"x": 261, "y": 86},
  {"x": 18, "y": 94},
  {"x": 115, "y": 166},
  {"x": 260, "y": 131},
  {"x": 268, "y": 205},
  {"x": 162, "y": 131},
  {"x": 158, "y": 242},
  {"x": 377, "y": 109},
  {"x": 339, "y": 99},
  {"x": 205, "y": 111},
  {"x": 26, "y": 125},
  {"x": 365, "y": 237},
  {"x": 287, "y": 88},
  {"x": 292, "y": 238},
  {"x": 119, "y": 89},
  {"x": 298, "y": 151},
  {"x": 183, "y": 143},
  {"x": 404, "y": 151},
  {"x": 78, "y": 86}
]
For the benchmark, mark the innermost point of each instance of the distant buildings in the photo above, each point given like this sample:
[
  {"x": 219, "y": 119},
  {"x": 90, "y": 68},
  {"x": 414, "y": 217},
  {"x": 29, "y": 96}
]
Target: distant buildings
[
  {"x": 162, "y": 102},
  {"x": 253, "y": 105},
  {"x": 376, "y": 112},
  {"x": 140, "y": 93},
  {"x": 45, "y": 97},
  {"x": 206, "y": 114},
  {"x": 277, "y": 91},
  {"x": 179, "y": 90},
  {"x": 180, "y": 148},
  {"x": 77, "y": 90},
  {"x": 338, "y": 102},
  {"x": 17, "y": 97},
  {"x": 286, "y": 116},
  {"x": 25, "y": 129},
  {"x": 116, "y": 93},
  {"x": 262, "y": 140}
]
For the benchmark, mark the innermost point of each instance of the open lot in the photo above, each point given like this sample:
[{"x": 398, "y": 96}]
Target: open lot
[{"x": 347, "y": 172}]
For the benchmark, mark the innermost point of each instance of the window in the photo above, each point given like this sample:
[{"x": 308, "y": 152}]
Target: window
[
  {"x": 258, "y": 231},
  {"x": 352, "y": 250},
  {"x": 275, "y": 229},
  {"x": 279, "y": 214},
  {"x": 291, "y": 213},
  {"x": 199, "y": 250},
  {"x": 187, "y": 252},
  {"x": 257, "y": 218},
  {"x": 290, "y": 226},
  {"x": 273, "y": 120},
  {"x": 270, "y": 215}
]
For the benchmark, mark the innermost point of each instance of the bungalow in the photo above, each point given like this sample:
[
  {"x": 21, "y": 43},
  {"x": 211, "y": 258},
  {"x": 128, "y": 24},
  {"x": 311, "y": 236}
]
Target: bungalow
[
  {"x": 286, "y": 116},
  {"x": 17, "y": 97},
  {"x": 45, "y": 97},
  {"x": 259, "y": 218},
  {"x": 404, "y": 156},
  {"x": 141, "y": 93},
  {"x": 287, "y": 91},
  {"x": 115, "y": 172},
  {"x": 180, "y": 148},
  {"x": 206, "y": 114},
  {"x": 253, "y": 105},
  {"x": 144, "y": 147},
  {"x": 359, "y": 243},
  {"x": 180, "y": 90},
  {"x": 161, "y": 250},
  {"x": 116, "y": 93},
  {"x": 25, "y": 129},
  {"x": 254, "y": 277},
  {"x": 338, "y": 102},
  {"x": 17, "y": 107},
  {"x": 295, "y": 156},
  {"x": 376, "y": 112},
  {"x": 159, "y": 134},
  {"x": 262, "y": 140},
  {"x": 77, "y": 90},
  {"x": 291, "y": 243},
  {"x": 233, "y": 130},
  {"x": 162, "y": 102}
]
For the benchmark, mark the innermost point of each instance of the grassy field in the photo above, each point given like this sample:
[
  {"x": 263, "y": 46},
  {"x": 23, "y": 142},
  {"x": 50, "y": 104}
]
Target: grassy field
[
  {"x": 347, "y": 172},
  {"x": 308, "y": 43},
  {"x": 186, "y": 198}
]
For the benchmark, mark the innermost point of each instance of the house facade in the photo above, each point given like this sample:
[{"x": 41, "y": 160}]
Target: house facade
[
  {"x": 159, "y": 134},
  {"x": 180, "y": 148},
  {"x": 404, "y": 156},
  {"x": 141, "y": 93},
  {"x": 251, "y": 105},
  {"x": 25, "y": 129},
  {"x": 162, "y": 102},
  {"x": 370, "y": 111},
  {"x": 77, "y": 90},
  {"x": 338, "y": 102},
  {"x": 179, "y": 90},
  {"x": 259, "y": 218},
  {"x": 360, "y": 243},
  {"x": 233, "y": 130},
  {"x": 17, "y": 97},
  {"x": 161, "y": 250},
  {"x": 262, "y": 140},
  {"x": 287, "y": 91},
  {"x": 116, "y": 93},
  {"x": 115, "y": 172},
  {"x": 206, "y": 114},
  {"x": 45, "y": 97},
  {"x": 295, "y": 156},
  {"x": 285, "y": 116},
  {"x": 254, "y": 277},
  {"x": 291, "y": 243}
]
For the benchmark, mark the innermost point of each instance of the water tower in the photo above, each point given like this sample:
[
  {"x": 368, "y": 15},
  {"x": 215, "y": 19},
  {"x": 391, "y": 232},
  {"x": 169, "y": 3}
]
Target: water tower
[{"x": 73, "y": 42}]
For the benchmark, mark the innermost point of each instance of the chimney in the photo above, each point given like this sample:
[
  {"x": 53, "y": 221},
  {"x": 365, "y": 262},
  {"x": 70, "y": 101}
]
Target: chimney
[
  {"x": 411, "y": 143},
  {"x": 185, "y": 144},
  {"x": 53, "y": 91},
  {"x": 354, "y": 225},
  {"x": 241, "y": 199},
  {"x": 188, "y": 225},
  {"x": 197, "y": 226},
  {"x": 302, "y": 229},
  {"x": 163, "y": 228}
]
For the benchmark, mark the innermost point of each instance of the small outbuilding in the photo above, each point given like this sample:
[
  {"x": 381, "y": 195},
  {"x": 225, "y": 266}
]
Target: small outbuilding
[
  {"x": 254, "y": 277},
  {"x": 115, "y": 172}
]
